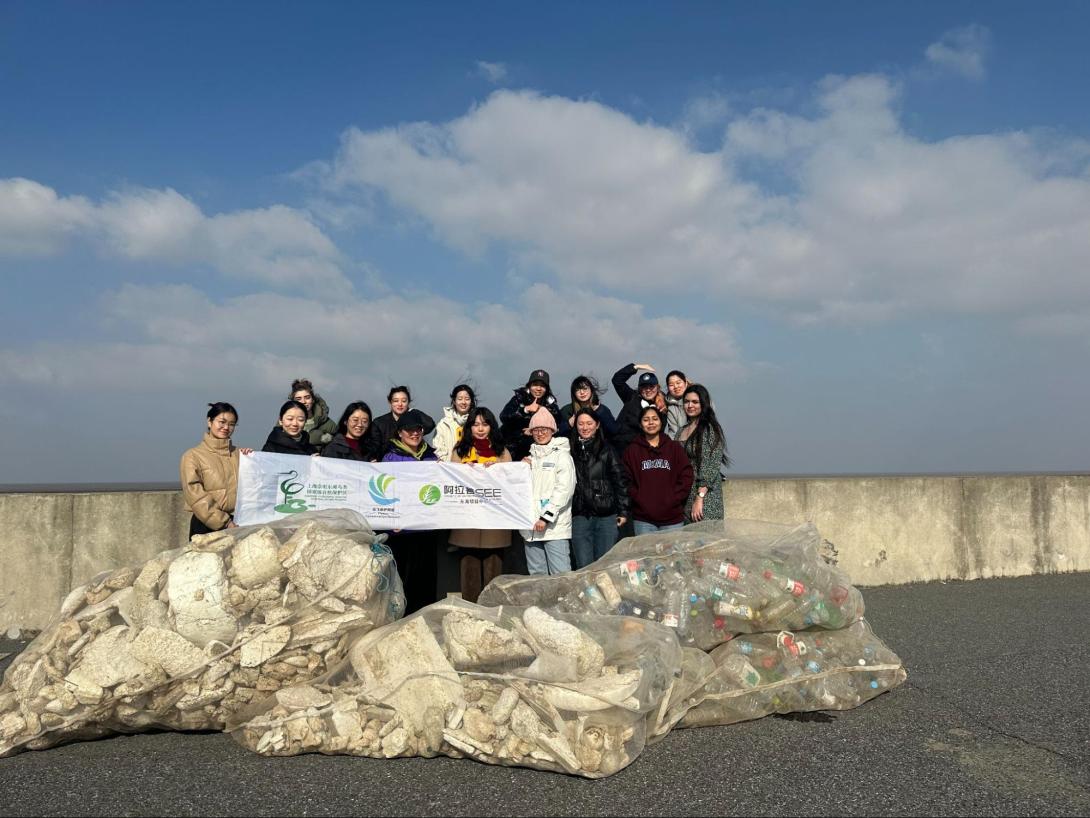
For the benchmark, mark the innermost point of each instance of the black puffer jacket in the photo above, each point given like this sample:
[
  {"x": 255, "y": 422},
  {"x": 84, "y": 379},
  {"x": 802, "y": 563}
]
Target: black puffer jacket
[
  {"x": 628, "y": 419},
  {"x": 514, "y": 419},
  {"x": 280, "y": 442},
  {"x": 600, "y": 483}
]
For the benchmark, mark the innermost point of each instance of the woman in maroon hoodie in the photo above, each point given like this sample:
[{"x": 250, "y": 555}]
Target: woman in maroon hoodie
[{"x": 659, "y": 476}]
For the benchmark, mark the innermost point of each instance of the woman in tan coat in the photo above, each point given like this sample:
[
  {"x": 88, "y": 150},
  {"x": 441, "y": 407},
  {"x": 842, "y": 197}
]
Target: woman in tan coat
[
  {"x": 210, "y": 473},
  {"x": 480, "y": 550}
]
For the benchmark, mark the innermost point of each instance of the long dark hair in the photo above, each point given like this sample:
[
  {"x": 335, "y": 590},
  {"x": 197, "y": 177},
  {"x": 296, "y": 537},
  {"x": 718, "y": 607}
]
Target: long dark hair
[
  {"x": 662, "y": 419},
  {"x": 706, "y": 424},
  {"x": 494, "y": 436},
  {"x": 351, "y": 409},
  {"x": 464, "y": 387}
]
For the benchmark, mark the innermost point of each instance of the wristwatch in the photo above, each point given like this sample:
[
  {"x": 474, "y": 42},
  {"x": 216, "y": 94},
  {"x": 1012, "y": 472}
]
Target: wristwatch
[{"x": 702, "y": 493}]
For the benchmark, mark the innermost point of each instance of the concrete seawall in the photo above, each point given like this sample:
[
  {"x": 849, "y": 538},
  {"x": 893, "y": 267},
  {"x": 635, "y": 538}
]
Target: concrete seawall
[{"x": 887, "y": 530}]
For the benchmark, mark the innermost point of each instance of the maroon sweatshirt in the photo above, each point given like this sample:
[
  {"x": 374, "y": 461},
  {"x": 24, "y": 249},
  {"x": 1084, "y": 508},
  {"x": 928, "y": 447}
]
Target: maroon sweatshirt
[{"x": 659, "y": 479}]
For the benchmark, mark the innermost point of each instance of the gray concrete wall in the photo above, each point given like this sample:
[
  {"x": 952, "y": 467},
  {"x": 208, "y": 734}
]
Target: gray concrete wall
[
  {"x": 892, "y": 530},
  {"x": 53, "y": 542},
  {"x": 887, "y": 530}
]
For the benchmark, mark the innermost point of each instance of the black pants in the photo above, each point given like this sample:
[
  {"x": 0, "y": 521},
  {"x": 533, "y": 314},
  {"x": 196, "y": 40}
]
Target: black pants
[
  {"x": 197, "y": 527},
  {"x": 417, "y": 564}
]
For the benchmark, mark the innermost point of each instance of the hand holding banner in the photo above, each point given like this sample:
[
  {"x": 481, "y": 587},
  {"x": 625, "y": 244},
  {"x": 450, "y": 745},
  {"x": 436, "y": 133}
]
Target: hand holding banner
[{"x": 419, "y": 496}]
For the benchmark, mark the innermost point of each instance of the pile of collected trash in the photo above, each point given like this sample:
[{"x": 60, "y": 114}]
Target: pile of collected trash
[
  {"x": 195, "y": 633},
  {"x": 288, "y": 635}
]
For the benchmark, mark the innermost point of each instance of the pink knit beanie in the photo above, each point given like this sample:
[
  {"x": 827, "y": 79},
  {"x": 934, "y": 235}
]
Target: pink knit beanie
[{"x": 543, "y": 418}]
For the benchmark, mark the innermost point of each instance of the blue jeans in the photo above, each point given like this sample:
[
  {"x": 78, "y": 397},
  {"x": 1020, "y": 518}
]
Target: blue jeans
[
  {"x": 592, "y": 537},
  {"x": 646, "y": 528},
  {"x": 548, "y": 557}
]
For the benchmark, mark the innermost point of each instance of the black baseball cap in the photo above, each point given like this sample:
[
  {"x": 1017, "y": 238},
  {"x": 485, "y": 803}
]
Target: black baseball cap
[
  {"x": 538, "y": 375},
  {"x": 413, "y": 419},
  {"x": 648, "y": 379}
]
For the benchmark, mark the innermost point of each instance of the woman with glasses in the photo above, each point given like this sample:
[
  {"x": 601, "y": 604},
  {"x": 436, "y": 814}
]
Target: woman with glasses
[
  {"x": 352, "y": 441},
  {"x": 209, "y": 473}
]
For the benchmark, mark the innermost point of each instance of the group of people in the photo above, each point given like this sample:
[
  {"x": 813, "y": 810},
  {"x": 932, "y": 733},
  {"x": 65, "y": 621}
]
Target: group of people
[{"x": 653, "y": 467}]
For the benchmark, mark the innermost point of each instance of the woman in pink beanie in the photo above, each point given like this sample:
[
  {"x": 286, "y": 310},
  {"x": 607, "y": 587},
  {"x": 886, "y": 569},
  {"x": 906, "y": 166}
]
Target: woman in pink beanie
[{"x": 552, "y": 475}]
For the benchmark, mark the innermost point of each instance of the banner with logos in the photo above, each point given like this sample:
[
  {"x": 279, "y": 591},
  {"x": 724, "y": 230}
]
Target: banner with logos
[{"x": 408, "y": 495}]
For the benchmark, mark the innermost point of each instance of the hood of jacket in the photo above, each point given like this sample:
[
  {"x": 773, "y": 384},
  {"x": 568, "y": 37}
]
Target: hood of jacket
[
  {"x": 450, "y": 414},
  {"x": 555, "y": 445},
  {"x": 319, "y": 415}
]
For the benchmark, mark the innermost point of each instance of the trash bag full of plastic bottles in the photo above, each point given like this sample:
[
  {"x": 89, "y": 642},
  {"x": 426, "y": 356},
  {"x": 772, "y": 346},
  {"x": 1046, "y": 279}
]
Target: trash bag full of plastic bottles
[{"x": 707, "y": 583}]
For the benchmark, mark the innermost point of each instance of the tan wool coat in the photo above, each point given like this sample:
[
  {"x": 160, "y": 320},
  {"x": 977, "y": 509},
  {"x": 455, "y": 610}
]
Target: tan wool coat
[
  {"x": 210, "y": 481},
  {"x": 477, "y": 537}
]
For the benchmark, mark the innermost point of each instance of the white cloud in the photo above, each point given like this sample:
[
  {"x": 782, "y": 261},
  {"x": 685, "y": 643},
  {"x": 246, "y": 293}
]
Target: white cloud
[
  {"x": 278, "y": 246},
  {"x": 256, "y": 344},
  {"x": 34, "y": 220},
  {"x": 962, "y": 50},
  {"x": 872, "y": 222},
  {"x": 494, "y": 72},
  {"x": 704, "y": 112}
]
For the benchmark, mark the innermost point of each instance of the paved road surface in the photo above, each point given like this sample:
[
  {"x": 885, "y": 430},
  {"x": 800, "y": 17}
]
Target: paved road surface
[{"x": 994, "y": 720}]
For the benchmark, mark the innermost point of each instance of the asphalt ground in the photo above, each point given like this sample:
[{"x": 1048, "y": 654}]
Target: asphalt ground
[{"x": 993, "y": 720}]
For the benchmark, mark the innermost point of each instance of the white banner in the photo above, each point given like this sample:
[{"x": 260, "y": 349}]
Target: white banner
[{"x": 408, "y": 495}]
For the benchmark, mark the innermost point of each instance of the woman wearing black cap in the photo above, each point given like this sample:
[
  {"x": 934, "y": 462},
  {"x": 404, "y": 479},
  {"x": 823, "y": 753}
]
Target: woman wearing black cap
[
  {"x": 515, "y": 417},
  {"x": 647, "y": 393},
  {"x": 414, "y": 551}
]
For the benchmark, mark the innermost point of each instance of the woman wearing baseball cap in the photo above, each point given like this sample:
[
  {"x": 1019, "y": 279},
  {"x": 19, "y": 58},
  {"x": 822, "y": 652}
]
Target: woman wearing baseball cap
[
  {"x": 515, "y": 417},
  {"x": 415, "y": 552}
]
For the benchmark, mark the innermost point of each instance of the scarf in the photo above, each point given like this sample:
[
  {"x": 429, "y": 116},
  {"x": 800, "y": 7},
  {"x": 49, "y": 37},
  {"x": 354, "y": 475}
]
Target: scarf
[
  {"x": 481, "y": 452},
  {"x": 415, "y": 455}
]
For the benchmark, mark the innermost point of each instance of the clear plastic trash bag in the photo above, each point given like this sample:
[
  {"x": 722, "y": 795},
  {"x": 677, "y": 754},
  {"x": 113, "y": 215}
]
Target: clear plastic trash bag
[
  {"x": 708, "y": 582},
  {"x": 760, "y": 674},
  {"x": 195, "y": 633},
  {"x": 506, "y": 685}
]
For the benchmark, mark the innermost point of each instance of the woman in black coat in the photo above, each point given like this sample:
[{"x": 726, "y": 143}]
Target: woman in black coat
[
  {"x": 600, "y": 503},
  {"x": 515, "y": 417},
  {"x": 353, "y": 440},
  {"x": 288, "y": 437}
]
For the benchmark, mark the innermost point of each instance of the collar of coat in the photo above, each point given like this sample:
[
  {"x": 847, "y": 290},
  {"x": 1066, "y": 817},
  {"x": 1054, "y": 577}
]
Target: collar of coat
[{"x": 415, "y": 455}]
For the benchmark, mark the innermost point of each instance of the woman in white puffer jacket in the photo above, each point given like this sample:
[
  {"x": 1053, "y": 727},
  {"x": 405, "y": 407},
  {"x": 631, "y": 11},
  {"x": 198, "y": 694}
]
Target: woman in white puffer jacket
[
  {"x": 448, "y": 431},
  {"x": 552, "y": 474}
]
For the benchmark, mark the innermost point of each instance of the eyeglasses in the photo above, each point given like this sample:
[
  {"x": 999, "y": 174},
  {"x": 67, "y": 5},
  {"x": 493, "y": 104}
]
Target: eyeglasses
[{"x": 223, "y": 424}]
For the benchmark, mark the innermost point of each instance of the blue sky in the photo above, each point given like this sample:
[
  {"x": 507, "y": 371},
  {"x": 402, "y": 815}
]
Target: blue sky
[{"x": 864, "y": 226}]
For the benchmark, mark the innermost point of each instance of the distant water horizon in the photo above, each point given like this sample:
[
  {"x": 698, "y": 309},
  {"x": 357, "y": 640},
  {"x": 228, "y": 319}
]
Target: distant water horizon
[{"x": 61, "y": 488}]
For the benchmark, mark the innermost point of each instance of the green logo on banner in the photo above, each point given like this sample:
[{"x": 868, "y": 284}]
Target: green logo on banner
[
  {"x": 430, "y": 494},
  {"x": 290, "y": 487}
]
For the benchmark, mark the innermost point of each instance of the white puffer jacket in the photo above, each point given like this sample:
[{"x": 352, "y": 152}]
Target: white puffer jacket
[
  {"x": 552, "y": 473},
  {"x": 448, "y": 433}
]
